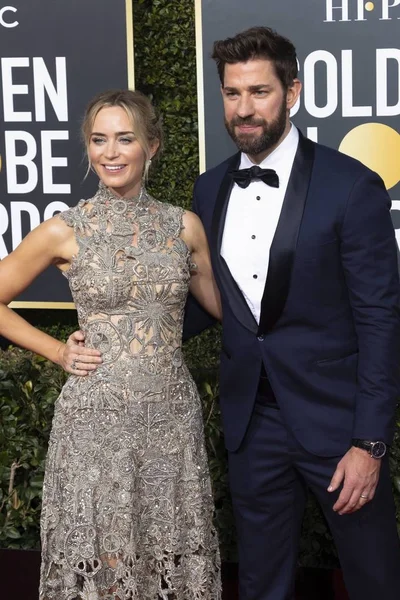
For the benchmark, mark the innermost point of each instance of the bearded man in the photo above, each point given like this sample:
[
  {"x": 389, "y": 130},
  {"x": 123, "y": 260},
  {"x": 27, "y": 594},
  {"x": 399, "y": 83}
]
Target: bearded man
[{"x": 305, "y": 258}]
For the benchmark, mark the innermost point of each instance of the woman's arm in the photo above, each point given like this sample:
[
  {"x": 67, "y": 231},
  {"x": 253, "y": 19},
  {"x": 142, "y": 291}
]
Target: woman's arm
[
  {"x": 202, "y": 284},
  {"x": 53, "y": 242}
]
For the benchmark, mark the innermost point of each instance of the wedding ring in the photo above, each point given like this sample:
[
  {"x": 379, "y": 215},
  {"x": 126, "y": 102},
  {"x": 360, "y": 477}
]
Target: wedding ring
[
  {"x": 73, "y": 365},
  {"x": 364, "y": 496}
]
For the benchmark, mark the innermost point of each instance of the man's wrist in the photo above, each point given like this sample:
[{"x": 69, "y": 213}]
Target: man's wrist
[{"x": 376, "y": 449}]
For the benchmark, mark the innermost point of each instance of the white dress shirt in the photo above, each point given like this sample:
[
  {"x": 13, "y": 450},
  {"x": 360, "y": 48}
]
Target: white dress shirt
[{"x": 251, "y": 220}]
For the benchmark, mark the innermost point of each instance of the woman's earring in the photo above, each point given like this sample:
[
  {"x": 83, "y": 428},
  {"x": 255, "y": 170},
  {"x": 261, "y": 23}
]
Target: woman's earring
[{"x": 146, "y": 169}]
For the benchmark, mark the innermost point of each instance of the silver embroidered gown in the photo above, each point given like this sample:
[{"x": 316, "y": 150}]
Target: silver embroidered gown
[{"x": 127, "y": 505}]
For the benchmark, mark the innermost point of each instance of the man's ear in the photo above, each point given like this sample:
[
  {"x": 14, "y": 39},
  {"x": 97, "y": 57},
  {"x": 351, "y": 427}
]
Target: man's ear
[{"x": 293, "y": 93}]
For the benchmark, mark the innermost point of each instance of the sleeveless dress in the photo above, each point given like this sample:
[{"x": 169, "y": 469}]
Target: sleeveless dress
[{"x": 127, "y": 503}]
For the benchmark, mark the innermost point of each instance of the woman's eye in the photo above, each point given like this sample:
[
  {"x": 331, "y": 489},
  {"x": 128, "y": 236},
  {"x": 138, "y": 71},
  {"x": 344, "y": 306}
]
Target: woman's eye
[
  {"x": 126, "y": 140},
  {"x": 97, "y": 140}
]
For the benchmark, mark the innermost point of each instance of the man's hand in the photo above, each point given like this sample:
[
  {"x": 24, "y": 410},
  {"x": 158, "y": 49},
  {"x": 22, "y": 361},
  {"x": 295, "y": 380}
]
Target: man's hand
[
  {"x": 75, "y": 358},
  {"x": 359, "y": 473}
]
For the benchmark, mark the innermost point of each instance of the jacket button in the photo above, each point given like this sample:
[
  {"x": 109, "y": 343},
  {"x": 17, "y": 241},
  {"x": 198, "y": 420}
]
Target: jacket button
[{"x": 261, "y": 338}]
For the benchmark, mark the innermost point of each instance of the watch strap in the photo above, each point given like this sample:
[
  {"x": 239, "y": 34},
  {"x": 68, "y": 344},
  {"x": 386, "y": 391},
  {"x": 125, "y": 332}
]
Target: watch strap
[{"x": 364, "y": 444}]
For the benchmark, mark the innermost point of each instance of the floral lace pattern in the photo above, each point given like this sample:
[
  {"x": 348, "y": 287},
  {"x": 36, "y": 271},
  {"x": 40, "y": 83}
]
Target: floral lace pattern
[{"x": 127, "y": 504}]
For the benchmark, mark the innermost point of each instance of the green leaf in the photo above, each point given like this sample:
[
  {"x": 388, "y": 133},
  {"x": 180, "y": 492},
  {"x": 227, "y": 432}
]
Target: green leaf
[{"x": 13, "y": 533}]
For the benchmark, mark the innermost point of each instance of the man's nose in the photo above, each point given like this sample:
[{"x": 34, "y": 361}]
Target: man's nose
[{"x": 245, "y": 107}]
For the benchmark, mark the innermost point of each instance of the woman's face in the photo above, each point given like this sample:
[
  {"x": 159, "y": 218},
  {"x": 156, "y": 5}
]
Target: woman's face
[{"x": 115, "y": 153}]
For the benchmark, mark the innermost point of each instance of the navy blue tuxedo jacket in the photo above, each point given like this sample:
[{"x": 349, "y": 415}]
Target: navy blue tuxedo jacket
[{"x": 329, "y": 331}]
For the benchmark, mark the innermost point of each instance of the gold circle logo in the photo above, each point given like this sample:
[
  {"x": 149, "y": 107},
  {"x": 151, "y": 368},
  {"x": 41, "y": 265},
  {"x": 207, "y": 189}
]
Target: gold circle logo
[
  {"x": 369, "y": 6},
  {"x": 378, "y": 147}
]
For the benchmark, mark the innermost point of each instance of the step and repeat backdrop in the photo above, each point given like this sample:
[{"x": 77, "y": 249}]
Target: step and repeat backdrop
[
  {"x": 55, "y": 56},
  {"x": 349, "y": 64}
]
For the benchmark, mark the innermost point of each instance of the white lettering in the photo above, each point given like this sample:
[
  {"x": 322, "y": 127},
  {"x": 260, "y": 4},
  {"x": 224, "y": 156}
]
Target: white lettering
[
  {"x": 295, "y": 109},
  {"x": 312, "y": 133},
  {"x": 13, "y": 217},
  {"x": 320, "y": 112},
  {"x": 16, "y": 222},
  {"x": 49, "y": 162},
  {"x": 382, "y": 57},
  {"x": 396, "y": 207},
  {"x": 344, "y": 7},
  {"x": 3, "y": 11},
  {"x": 349, "y": 110},
  {"x": 4, "y": 226},
  {"x": 10, "y": 89},
  {"x": 26, "y": 160},
  {"x": 57, "y": 94},
  {"x": 360, "y": 11},
  {"x": 385, "y": 9}
]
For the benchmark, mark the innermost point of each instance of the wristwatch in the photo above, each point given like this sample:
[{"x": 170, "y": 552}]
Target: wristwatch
[{"x": 375, "y": 449}]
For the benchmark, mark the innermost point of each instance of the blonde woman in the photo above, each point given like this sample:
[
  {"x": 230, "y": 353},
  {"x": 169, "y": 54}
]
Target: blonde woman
[{"x": 127, "y": 505}]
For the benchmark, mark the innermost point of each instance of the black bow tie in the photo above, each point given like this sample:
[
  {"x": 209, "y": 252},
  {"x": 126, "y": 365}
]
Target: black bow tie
[{"x": 243, "y": 176}]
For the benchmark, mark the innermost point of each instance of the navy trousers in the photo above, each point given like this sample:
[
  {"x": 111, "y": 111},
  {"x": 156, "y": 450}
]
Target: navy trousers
[{"x": 269, "y": 477}]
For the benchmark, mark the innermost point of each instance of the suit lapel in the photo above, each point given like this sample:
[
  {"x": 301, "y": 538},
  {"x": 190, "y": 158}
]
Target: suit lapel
[
  {"x": 285, "y": 240},
  {"x": 222, "y": 273}
]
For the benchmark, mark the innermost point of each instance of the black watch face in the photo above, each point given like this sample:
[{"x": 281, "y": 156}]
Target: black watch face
[{"x": 378, "y": 449}]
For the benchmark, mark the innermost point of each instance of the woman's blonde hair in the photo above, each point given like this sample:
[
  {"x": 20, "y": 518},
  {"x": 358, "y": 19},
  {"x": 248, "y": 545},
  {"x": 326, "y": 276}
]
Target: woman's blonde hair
[{"x": 146, "y": 123}]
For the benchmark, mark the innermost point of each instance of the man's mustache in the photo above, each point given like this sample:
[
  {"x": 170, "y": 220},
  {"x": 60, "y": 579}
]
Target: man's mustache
[{"x": 246, "y": 121}]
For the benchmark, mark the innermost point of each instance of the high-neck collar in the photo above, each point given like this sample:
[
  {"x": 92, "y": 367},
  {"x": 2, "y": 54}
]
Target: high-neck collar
[{"x": 108, "y": 195}]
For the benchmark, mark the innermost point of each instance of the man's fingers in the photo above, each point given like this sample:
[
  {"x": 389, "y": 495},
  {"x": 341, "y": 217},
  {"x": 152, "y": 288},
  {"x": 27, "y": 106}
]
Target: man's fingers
[
  {"x": 79, "y": 365},
  {"x": 87, "y": 354},
  {"x": 81, "y": 372},
  {"x": 76, "y": 337},
  {"x": 345, "y": 495},
  {"x": 80, "y": 351},
  {"x": 363, "y": 498},
  {"x": 352, "y": 504},
  {"x": 336, "y": 479},
  {"x": 79, "y": 361},
  {"x": 343, "y": 499}
]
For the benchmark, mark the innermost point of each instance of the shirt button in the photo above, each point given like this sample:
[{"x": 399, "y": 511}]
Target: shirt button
[
  {"x": 253, "y": 237},
  {"x": 258, "y": 197},
  {"x": 261, "y": 338},
  {"x": 255, "y": 276}
]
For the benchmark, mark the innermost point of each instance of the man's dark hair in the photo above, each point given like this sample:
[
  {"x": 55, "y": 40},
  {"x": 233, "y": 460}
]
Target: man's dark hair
[{"x": 258, "y": 42}]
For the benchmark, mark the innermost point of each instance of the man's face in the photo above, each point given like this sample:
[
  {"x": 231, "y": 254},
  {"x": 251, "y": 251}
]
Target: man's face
[{"x": 256, "y": 106}]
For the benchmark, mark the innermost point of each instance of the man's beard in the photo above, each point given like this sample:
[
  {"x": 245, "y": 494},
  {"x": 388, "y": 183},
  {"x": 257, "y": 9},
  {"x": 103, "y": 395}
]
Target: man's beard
[{"x": 270, "y": 135}]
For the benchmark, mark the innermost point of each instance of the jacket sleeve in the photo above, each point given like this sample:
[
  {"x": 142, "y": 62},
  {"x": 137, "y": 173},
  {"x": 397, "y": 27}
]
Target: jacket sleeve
[
  {"x": 369, "y": 258},
  {"x": 196, "y": 318}
]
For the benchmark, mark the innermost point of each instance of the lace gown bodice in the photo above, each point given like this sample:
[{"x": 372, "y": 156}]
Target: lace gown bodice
[
  {"x": 127, "y": 505},
  {"x": 130, "y": 278}
]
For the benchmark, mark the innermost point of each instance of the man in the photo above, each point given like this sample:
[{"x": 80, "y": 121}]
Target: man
[{"x": 305, "y": 258}]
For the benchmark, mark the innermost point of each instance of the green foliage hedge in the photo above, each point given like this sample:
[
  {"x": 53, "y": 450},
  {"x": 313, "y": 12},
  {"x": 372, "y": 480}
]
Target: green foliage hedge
[
  {"x": 29, "y": 386},
  {"x": 166, "y": 70}
]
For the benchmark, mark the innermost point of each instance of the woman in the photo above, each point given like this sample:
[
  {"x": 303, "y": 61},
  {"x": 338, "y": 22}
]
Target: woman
[{"x": 127, "y": 505}]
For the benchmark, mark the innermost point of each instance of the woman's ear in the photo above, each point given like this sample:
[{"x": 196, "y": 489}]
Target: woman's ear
[{"x": 154, "y": 146}]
